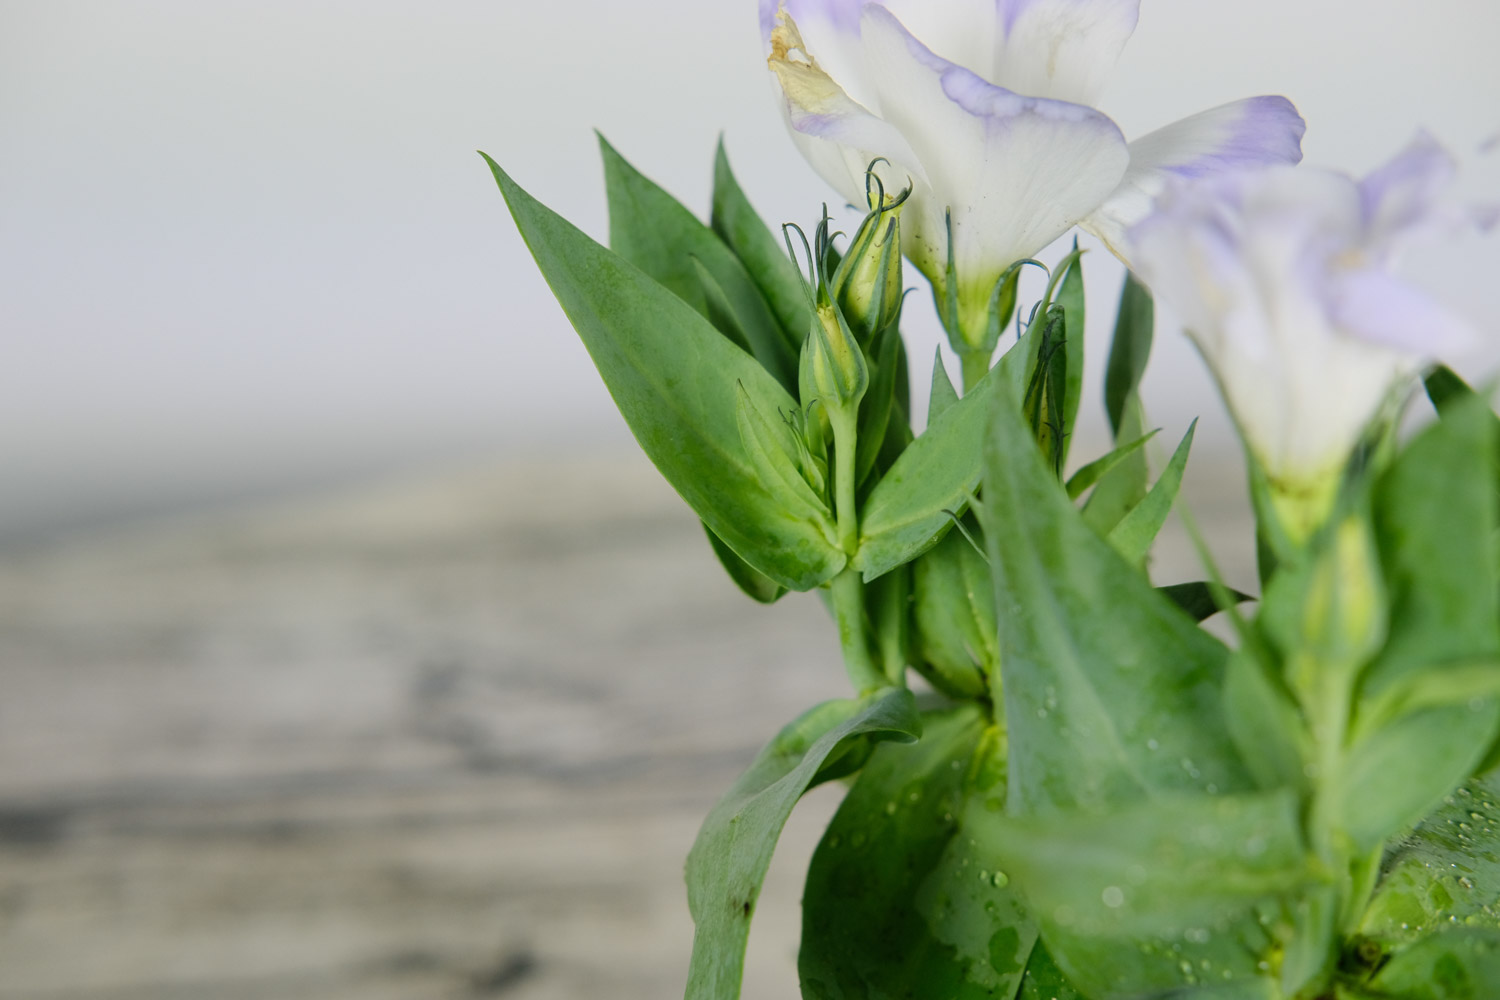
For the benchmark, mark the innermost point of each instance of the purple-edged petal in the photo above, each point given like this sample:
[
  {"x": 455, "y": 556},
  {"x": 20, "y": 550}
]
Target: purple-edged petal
[
  {"x": 1402, "y": 194},
  {"x": 1063, "y": 49},
  {"x": 1015, "y": 172},
  {"x": 830, "y": 30},
  {"x": 838, "y": 136},
  {"x": 1257, "y": 131},
  {"x": 1380, "y": 309}
]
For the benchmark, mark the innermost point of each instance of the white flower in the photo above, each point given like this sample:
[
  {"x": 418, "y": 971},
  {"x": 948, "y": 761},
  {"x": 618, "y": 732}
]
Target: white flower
[
  {"x": 989, "y": 117},
  {"x": 1283, "y": 277}
]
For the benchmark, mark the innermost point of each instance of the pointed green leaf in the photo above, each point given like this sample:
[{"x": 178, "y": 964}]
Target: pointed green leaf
[
  {"x": 729, "y": 859},
  {"x": 1137, "y": 530},
  {"x": 756, "y": 585},
  {"x": 954, "y": 608},
  {"x": 772, "y": 448},
  {"x": 1090, "y": 474},
  {"x": 1044, "y": 980},
  {"x": 1446, "y": 872},
  {"x": 943, "y": 394},
  {"x": 1265, "y": 723},
  {"x": 653, "y": 231},
  {"x": 914, "y": 502},
  {"x": 1122, "y": 488},
  {"x": 1461, "y": 964},
  {"x": 894, "y": 906},
  {"x": 1111, "y": 693},
  {"x": 1435, "y": 510},
  {"x": 673, "y": 377},
  {"x": 762, "y": 252},
  {"x": 1128, "y": 351}
]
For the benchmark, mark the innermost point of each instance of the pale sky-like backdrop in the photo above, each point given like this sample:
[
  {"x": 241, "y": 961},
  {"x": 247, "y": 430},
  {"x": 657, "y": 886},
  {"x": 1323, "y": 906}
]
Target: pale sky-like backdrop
[{"x": 247, "y": 249}]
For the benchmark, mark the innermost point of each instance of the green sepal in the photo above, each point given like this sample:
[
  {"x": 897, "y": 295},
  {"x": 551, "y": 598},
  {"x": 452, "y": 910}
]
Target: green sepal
[
  {"x": 914, "y": 503},
  {"x": 896, "y": 905},
  {"x": 672, "y": 376},
  {"x": 652, "y": 230},
  {"x": 755, "y": 584},
  {"x": 729, "y": 859},
  {"x": 1111, "y": 692},
  {"x": 1070, "y": 297},
  {"x": 1045, "y": 392},
  {"x": 879, "y": 402},
  {"x": 763, "y": 255},
  {"x": 1137, "y": 530}
]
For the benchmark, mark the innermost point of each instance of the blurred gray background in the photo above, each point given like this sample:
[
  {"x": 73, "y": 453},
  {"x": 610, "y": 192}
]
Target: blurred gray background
[{"x": 348, "y": 647}]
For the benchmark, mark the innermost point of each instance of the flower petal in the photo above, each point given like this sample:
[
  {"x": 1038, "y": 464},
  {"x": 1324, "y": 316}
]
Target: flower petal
[
  {"x": 1063, "y": 49},
  {"x": 831, "y": 31},
  {"x": 1015, "y": 172},
  {"x": 836, "y": 135},
  {"x": 1257, "y": 131},
  {"x": 1377, "y": 308}
]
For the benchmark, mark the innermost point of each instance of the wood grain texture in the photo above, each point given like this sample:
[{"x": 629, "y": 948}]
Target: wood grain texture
[{"x": 450, "y": 740}]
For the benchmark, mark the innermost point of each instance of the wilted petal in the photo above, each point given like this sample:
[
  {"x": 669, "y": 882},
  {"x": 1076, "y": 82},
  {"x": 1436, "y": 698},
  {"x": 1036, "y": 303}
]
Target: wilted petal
[
  {"x": 1253, "y": 132},
  {"x": 830, "y": 29},
  {"x": 1016, "y": 172},
  {"x": 838, "y": 136}
]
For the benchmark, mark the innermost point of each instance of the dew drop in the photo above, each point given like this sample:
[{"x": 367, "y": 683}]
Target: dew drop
[
  {"x": 999, "y": 880},
  {"x": 1113, "y": 897},
  {"x": 1152, "y": 744},
  {"x": 890, "y": 808}
]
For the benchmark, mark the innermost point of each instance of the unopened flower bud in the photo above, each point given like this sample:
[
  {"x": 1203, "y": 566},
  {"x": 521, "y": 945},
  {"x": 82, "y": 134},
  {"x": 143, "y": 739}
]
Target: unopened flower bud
[
  {"x": 833, "y": 364},
  {"x": 867, "y": 283}
]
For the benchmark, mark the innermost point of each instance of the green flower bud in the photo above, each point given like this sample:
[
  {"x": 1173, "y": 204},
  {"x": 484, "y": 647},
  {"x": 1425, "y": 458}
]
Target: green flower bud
[
  {"x": 867, "y": 283},
  {"x": 833, "y": 368}
]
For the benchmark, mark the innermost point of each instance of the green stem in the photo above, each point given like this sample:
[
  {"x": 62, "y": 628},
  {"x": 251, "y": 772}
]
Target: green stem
[
  {"x": 848, "y": 588},
  {"x": 848, "y": 593},
  {"x": 975, "y": 366}
]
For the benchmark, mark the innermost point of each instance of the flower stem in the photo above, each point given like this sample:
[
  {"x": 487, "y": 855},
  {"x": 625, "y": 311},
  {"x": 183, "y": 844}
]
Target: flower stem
[
  {"x": 848, "y": 588},
  {"x": 976, "y": 365}
]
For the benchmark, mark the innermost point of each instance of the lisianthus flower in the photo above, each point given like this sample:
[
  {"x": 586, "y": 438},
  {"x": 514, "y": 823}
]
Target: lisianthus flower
[
  {"x": 985, "y": 108},
  {"x": 1284, "y": 279}
]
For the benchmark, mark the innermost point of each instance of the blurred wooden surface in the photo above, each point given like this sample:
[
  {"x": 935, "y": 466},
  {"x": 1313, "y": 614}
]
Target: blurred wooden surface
[{"x": 444, "y": 741}]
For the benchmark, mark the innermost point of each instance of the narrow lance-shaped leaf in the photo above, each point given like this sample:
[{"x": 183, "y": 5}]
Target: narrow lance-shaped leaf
[
  {"x": 652, "y": 230},
  {"x": 1111, "y": 693},
  {"x": 729, "y": 859},
  {"x": 762, "y": 253},
  {"x": 1129, "y": 351},
  {"x": 1080, "y": 481},
  {"x": 880, "y": 399},
  {"x": 943, "y": 394},
  {"x": 1137, "y": 530},
  {"x": 673, "y": 377},
  {"x": 755, "y": 584}
]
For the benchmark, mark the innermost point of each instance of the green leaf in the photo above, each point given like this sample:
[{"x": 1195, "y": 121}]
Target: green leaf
[
  {"x": 1197, "y": 598},
  {"x": 1070, "y": 297},
  {"x": 1265, "y": 723},
  {"x": 1044, "y": 980},
  {"x": 729, "y": 859},
  {"x": 756, "y": 585},
  {"x": 772, "y": 448},
  {"x": 1111, "y": 692},
  {"x": 673, "y": 377},
  {"x": 888, "y": 602},
  {"x": 1045, "y": 392},
  {"x": 1435, "y": 509},
  {"x": 1462, "y": 964},
  {"x": 653, "y": 231},
  {"x": 1128, "y": 351},
  {"x": 895, "y": 906},
  {"x": 955, "y": 618},
  {"x": 1446, "y": 872},
  {"x": 1159, "y": 869},
  {"x": 943, "y": 393},
  {"x": 1137, "y": 530},
  {"x": 914, "y": 502},
  {"x": 1090, "y": 474},
  {"x": 762, "y": 253},
  {"x": 1121, "y": 490},
  {"x": 1401, "y": 771}
]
